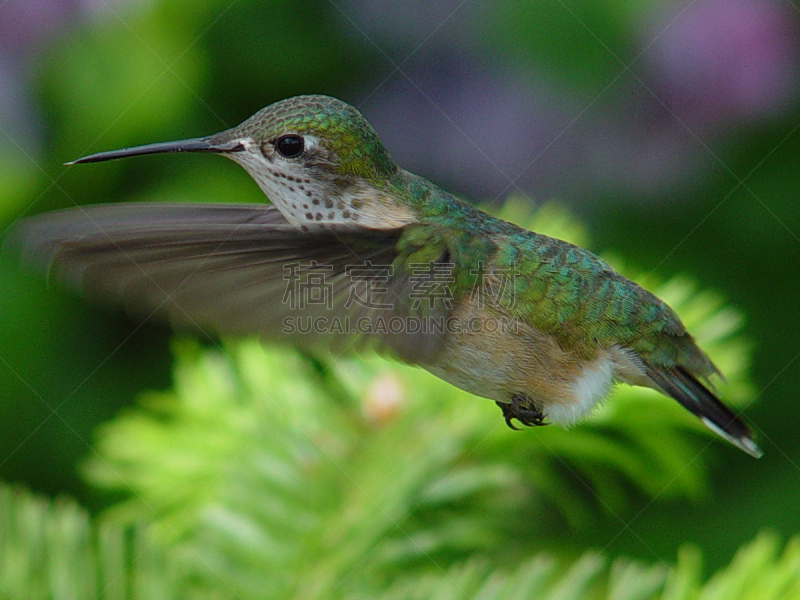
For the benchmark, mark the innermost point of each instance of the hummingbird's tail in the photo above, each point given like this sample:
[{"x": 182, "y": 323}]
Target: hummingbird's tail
[{"x": 681, "y": 385}]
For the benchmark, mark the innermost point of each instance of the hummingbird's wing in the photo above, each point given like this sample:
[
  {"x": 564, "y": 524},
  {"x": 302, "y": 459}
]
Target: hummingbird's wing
[{"x": 234, "y": 269}]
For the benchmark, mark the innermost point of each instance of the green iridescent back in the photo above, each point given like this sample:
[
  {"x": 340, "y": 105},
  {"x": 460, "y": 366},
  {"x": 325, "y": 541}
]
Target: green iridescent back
[
  {"x": 580, "y": 299},
  {"x": 560, "y": 288}
]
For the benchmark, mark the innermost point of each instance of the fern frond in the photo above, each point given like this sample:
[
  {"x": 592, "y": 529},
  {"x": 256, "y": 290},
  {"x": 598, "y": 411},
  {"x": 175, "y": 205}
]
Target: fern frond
[
  {"x": 759, "y": 570},
  {"x": 53, "y": 550}
]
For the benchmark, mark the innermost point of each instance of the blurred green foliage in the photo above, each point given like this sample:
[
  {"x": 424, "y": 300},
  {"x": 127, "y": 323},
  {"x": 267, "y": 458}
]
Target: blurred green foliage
[
  {"x": 54, "y": 550},
  {"x": 169, "y": 69}
]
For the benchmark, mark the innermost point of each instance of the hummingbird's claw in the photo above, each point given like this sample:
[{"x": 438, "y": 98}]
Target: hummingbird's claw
[
  {"x": 523, "y": 410},
  {"x": 509, "y": 422}
]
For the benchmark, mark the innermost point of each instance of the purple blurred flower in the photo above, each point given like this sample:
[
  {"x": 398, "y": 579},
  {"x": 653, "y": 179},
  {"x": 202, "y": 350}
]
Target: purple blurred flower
[
  {"x": 400, "y": 28},
  {"x": 25, "y": 23},
  {"x": 473, "y": 129},
  {"x": 726, "y": 60},
  {"x": 26, "y": 26},
  {"x": 456, "y": 115}
]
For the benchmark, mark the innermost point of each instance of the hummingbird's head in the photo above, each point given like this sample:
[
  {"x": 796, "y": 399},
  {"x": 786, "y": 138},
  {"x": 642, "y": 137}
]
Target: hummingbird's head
[
  {"x": 319, "y": 161},
  {"x": 315, "y": 157},
  {"x": 316, "y": 134}
]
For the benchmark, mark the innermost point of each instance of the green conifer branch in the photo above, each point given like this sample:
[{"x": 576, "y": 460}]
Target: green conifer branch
[{"x": 53, "y": 550}]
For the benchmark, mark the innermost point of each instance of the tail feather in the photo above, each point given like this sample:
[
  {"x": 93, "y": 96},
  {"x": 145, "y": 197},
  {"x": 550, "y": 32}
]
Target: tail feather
[{"x": 681, "y": 385}]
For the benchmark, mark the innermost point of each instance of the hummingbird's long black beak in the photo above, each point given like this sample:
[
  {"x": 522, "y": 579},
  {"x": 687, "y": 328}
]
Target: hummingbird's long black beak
[{"x": 205, "y": 144}]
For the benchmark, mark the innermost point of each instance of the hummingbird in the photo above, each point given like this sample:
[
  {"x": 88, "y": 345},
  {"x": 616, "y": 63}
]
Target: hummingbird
[{"x": 354, "y": 251}]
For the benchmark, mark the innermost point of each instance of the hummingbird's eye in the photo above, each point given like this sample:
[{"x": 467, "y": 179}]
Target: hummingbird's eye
[{"x": 290, "y": 146}]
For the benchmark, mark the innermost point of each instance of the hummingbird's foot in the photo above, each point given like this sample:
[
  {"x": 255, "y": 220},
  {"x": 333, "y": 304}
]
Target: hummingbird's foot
[{"x": 523, "y": 410}]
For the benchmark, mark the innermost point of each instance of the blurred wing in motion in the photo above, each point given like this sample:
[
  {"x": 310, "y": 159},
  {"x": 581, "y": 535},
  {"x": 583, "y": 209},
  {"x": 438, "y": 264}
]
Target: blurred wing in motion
[{"x": 230, "y": 268}]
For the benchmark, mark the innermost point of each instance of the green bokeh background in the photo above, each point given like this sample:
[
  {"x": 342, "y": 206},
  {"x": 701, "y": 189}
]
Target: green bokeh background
[{"x": 169, "y": 69}]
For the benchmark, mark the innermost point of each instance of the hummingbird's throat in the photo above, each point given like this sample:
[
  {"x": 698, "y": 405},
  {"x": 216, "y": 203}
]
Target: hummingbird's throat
[{"x": 311, "y": 201}]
